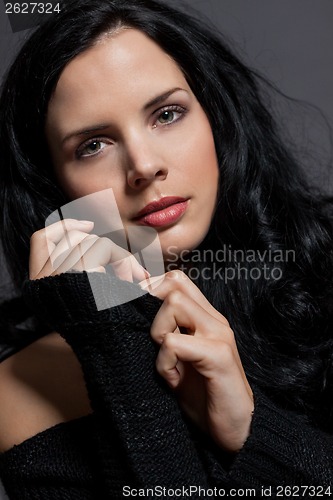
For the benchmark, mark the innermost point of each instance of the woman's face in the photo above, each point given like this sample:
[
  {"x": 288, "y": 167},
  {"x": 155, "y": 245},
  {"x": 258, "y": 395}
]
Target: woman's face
[{"x": 123, "y": 117}]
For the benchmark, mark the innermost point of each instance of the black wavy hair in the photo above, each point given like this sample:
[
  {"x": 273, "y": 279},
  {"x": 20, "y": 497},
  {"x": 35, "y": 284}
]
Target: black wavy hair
[{"x": 282, "y": 326}]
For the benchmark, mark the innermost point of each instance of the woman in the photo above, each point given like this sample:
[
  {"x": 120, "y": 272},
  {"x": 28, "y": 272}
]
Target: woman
[{"x": 136, "y": 97}]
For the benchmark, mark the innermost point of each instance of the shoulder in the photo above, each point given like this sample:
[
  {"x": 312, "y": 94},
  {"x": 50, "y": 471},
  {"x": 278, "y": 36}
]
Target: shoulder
[{"x": 40, "y": 386}]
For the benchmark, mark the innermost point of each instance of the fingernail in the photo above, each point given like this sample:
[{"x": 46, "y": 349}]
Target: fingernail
[{"x": 86, "y": 222}]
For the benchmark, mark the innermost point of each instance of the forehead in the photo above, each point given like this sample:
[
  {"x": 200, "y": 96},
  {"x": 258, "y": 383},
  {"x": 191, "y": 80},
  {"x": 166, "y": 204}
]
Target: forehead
[{"x": 128, "y": 65}]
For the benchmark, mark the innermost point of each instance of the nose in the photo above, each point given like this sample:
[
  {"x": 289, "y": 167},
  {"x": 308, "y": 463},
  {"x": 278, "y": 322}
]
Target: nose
[{"x": 144, "y": 165}]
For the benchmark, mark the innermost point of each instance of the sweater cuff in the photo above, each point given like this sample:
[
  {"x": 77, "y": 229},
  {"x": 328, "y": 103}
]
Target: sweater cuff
[{"x": 71, "y": 298}]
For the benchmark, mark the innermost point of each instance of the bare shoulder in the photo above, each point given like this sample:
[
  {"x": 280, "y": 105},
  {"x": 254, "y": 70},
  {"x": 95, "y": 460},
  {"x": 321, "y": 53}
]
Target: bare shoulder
[{"x": 40, "y": 386}]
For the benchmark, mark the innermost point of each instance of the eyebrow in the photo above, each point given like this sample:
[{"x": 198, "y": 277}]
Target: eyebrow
[
  {"x": 85, "y": 131},
  {"x": 162, "y": 97},
  {"x": 99, "y": 128}
]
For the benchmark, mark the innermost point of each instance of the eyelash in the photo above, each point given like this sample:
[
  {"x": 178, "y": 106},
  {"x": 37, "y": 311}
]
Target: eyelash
[
  {"x": 79, "y": 152},
  {"x": 178, "y": 109}
]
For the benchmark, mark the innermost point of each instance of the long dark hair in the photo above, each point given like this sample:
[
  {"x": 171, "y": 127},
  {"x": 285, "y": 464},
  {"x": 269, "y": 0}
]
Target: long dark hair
[{"x": 282, "y": 326}]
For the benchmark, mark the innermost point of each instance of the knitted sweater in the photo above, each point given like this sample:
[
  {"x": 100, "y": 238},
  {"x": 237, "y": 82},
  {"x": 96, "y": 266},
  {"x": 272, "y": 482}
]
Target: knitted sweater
[{"x": 137, "y": 437}]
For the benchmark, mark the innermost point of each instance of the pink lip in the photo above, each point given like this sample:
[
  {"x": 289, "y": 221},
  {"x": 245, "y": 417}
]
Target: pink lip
[{"x": 164, "y": 212}]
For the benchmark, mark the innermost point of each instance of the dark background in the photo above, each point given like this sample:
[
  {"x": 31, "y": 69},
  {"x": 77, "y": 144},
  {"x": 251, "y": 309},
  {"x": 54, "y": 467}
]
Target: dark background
[{"x": 289, "y": 41}]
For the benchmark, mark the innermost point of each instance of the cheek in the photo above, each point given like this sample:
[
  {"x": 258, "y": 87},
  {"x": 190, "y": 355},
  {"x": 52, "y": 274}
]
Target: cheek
[
  {"x": 73, "y": 186},
  {"x": 200, "y": 146},
  {"x": 205, "y": 165},
  {"x": 79, "y": 182}
]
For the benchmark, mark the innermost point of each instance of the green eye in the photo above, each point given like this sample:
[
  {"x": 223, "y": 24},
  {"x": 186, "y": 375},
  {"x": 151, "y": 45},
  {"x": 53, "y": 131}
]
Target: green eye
[
  {"x": 169, "y": 115},
  {"x": 166, "y": 117},
  {"x": 93, "y": 147}
]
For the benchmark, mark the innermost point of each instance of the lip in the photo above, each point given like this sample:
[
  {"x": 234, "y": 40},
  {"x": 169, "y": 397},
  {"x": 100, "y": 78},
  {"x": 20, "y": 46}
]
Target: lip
[{"x": 163, "y": 212}]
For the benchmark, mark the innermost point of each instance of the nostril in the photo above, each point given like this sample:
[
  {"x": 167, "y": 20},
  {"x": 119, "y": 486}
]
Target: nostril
[
  {"x": 141, "y": 180},
  {"x": 139, "y": 177}
]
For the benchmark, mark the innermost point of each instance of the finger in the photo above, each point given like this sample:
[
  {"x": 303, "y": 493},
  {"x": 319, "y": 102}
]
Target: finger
[
  {"x": 105, "y": 252},
  {"x": 225, "y": 406},
  {"x": 44, "y": 241},
  {"x": 57, "y": 231},
  {"x": 69, "y": 244},
  {"x": 179, "y": 310},
  {"x": 161, "y": 286},
  {"x": 74, "y": 258},
  {"x": 166, "y": 363},
  {"x": 93, "y": 252},
  {"x": 211, "y": 359},
  {"x": 129, "y": 269},
  {"x": 203, "y": 355},
  {"x": 152, "y": 281},
  {"x": 65, "y": 258}
]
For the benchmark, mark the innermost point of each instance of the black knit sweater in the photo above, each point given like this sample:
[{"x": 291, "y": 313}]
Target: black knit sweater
[{"x": 137, "y": 436}]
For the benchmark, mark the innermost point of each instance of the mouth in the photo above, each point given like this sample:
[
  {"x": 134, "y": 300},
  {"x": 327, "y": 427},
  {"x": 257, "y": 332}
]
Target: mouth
[{"x": 163, "y": 212}]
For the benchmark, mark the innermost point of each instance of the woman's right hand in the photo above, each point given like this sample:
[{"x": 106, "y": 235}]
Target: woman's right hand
[
  {"x": 69, "y": 245},
  {"x": 199, "y": 359}
]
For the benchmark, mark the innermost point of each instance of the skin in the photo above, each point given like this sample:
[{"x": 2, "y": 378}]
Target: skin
[
  {"x": 143, "y": 159},
  {"x": 142, "y": 154}
]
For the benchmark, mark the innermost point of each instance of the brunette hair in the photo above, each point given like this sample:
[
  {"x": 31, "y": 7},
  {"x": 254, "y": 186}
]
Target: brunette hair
[{"x": 282, "y": 326}]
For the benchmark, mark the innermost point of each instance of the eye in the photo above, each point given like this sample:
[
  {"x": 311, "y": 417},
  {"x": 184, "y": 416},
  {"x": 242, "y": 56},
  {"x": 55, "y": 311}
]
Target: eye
[
  {"x": 169, "y": 115},
  {"x": 90, "y": 148}
]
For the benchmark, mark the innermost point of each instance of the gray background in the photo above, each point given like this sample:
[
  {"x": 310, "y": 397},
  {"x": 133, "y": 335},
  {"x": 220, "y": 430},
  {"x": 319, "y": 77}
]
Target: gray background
[{"x": 289, "y": 41}]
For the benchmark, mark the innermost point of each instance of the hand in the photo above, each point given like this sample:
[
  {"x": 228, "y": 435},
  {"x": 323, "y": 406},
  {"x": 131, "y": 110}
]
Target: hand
[
  {"x": 203, "y": 367},
  {"x": 69, "y": 245}
]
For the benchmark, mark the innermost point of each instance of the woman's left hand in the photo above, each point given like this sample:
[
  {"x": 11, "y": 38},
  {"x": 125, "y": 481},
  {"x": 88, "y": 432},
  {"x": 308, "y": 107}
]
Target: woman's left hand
[{"x": 202, "y": 366}]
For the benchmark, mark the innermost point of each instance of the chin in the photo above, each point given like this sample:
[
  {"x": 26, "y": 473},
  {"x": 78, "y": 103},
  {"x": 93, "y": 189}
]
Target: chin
[{"x": 178, "y": 249}]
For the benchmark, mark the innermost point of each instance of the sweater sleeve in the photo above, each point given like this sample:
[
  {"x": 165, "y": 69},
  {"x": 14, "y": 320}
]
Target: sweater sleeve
[
  {"x": 284, "y": 454},
  {"x": 139, "y": 414},
  {"x": 136, "y": 412}
]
